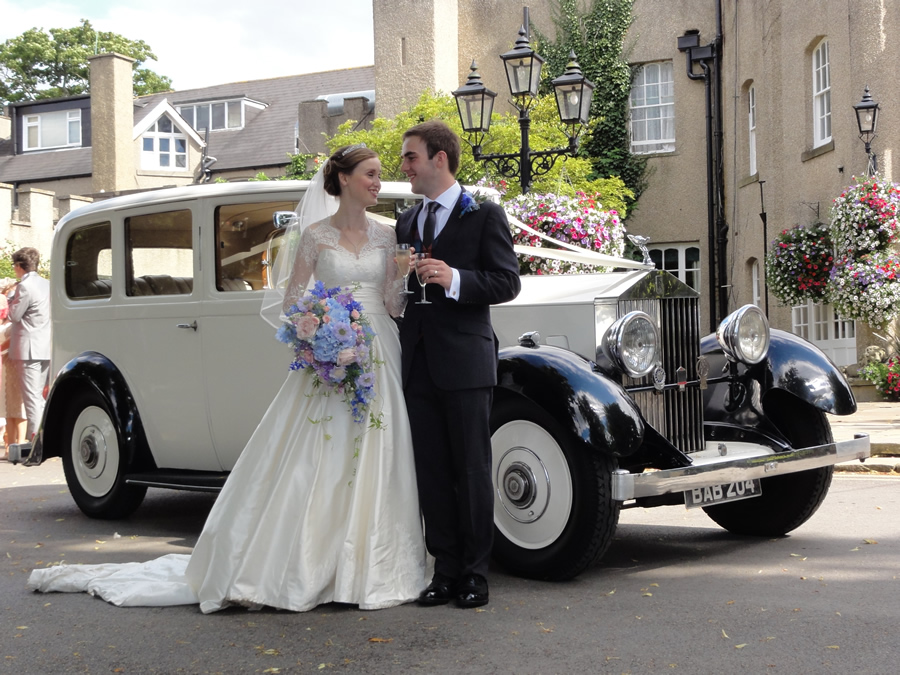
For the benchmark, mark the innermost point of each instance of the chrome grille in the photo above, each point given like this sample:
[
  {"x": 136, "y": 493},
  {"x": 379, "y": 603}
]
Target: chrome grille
[{"x": 677, "y": 415}]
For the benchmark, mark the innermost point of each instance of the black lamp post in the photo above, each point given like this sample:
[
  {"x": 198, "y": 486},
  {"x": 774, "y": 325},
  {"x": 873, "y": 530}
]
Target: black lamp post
[
  {"x": 523, "y": 73},
  {"x": 866, "y": 119}
]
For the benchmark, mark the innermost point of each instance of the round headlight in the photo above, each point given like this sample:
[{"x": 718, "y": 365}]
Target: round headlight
[
  {"x": 632, "y": 342},
  {"x": 744, "y": 335}
]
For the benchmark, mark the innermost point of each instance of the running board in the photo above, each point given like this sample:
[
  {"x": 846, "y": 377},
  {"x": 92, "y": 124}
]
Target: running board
[{"x": 198, "y": 481}]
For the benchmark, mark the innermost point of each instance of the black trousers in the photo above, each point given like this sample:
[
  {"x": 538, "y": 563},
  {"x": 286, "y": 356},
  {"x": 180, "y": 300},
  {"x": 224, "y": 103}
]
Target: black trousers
[{"x": 452, "y": 448}]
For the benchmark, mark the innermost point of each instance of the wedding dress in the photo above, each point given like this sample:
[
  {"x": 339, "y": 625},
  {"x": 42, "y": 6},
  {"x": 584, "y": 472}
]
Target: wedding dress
[{"x": 301, "y": 521}]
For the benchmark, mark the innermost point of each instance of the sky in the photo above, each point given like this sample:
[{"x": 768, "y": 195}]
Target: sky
[{"x": 199, "y": 44}]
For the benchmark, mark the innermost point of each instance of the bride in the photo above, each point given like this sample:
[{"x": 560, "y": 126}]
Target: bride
[{"x": 318, "y": 508}]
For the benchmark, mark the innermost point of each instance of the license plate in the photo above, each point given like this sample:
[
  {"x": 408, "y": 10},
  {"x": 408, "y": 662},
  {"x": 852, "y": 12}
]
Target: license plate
[{"x": 719, "y": 494}]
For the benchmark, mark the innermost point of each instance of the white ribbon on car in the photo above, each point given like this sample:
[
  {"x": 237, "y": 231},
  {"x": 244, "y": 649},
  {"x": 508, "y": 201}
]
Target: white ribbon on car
[{"x": 575, "y": 254}]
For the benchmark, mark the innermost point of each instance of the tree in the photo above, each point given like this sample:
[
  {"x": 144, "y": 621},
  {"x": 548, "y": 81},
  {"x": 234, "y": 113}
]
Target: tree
[
  {"x": 598, "y": 40},
  {"x": 40, "y": 65}
]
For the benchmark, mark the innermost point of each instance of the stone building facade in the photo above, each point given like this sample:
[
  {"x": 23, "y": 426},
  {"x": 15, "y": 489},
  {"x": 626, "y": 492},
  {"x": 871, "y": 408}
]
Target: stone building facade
[{"x": 766, "y": 51}]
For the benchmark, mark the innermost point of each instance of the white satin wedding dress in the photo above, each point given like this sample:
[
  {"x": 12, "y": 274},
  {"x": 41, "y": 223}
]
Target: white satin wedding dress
[{"x": 300, "y": 521}]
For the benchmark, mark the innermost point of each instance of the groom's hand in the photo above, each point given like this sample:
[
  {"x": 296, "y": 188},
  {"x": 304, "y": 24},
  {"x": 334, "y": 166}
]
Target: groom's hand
[{"x": 436, "y": 271}]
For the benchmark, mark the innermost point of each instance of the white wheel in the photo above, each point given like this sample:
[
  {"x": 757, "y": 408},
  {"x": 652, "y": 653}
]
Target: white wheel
[
  {"x": 553, "y": 510},
  {"x": 95, "y": 451},
  {"x": 93, "y": 461},
  {"x": 529, "y": 468}
]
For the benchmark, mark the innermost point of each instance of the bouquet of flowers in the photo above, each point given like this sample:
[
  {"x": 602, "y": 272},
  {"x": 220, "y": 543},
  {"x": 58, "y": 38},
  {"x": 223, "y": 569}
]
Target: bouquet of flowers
[
  {"x": 579, "y": 220},
  {"x": 864, "y": 217},
  {"x": 332, "y": 339},
  {"x": 867, "y": 288},
  {"x": 798, "y": 265}
]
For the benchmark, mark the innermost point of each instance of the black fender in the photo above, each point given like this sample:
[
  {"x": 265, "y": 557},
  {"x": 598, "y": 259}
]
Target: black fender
[
  {"x": 793, "y": 366},
  {"x": 585, "y": 402},
  {"x": 95, "y": 371}
]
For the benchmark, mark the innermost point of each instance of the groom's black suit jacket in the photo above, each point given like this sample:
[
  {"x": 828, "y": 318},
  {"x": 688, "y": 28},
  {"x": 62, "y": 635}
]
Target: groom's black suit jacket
[{"x": 459, "y": 342}]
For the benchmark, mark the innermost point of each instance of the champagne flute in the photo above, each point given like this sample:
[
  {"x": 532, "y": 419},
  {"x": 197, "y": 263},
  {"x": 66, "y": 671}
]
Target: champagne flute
[
  {"x": 402, "y": 254},
  {"x": 419, "y": 258}
]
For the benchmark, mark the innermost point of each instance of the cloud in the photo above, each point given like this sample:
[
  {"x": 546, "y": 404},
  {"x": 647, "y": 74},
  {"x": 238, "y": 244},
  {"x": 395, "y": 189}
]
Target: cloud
[{"x": 199, "y": 44}]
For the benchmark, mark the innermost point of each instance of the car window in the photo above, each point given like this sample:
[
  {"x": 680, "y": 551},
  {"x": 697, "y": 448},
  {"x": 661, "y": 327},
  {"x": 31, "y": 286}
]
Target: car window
[
  {"x": 246, "y": 240},
  {"x": 159, "y": 257},
  {"x": 89, "y": 262}
]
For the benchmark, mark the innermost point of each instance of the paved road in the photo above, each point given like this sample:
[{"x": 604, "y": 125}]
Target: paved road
[{"x": 674, "y": 594}]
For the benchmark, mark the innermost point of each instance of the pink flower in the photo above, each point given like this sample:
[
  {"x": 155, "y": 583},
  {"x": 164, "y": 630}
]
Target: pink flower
[
  {"x": 354, "y": 315},
  {"x": 346, "y": 356},
  {"x": 307, "y": 326}
]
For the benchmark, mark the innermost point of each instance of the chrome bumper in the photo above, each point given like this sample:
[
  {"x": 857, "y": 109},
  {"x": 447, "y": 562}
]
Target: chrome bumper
[{"x": 627, "y": 486}]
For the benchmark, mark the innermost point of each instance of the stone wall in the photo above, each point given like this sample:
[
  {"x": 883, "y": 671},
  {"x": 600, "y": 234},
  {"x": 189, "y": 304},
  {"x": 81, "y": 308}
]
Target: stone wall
[{"x": 33, "y": 222}]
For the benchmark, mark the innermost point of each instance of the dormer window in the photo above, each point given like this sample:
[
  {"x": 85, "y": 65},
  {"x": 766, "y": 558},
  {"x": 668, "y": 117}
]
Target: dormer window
[
  {"x": 217, "y": 115},
  {"x": 164, "y": 147},
  {"x": 50, "y": 130}
]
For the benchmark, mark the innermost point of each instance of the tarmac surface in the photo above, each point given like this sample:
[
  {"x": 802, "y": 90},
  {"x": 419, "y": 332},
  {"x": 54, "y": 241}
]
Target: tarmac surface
[{"x": 881, "y": 420}]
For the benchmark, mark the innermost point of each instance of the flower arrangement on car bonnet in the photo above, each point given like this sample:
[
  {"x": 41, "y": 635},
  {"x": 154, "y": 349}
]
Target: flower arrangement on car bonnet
[
  {"x": 798, "y": 264},
  {"x": 580, "y": 220}
]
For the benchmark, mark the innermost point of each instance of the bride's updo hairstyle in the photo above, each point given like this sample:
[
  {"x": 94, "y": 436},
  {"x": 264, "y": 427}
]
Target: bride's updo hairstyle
[{"x": 344, "y": 160}]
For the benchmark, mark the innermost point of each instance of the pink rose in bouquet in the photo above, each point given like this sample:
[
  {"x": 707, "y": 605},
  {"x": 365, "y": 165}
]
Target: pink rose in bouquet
[
  {"x": 346, "y": 356},
  {"x": 306, "y": 326}
]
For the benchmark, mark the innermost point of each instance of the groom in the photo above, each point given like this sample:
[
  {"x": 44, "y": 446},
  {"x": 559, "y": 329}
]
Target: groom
[{"x": 450, "y": 360}]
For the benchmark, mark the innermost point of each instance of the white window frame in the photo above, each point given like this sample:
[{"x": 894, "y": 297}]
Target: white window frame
[
  {"x": 821, "y": 325},
  {"x": 151, "y": 159},
  {"x": 751, "y": 137},
  {"x": 37, "y": 121},
  {"x": 189, "y": 112},
  {"x": 682, "y": 269},
  {"x": 821, "y": 94},
  {"x": 643, "y": 116}
]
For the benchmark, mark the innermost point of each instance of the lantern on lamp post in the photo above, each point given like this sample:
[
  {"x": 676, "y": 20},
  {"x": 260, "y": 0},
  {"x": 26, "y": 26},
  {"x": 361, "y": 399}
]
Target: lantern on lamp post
[
  {"x": 866, "y": 120},
  {"x": 475, "y": 103}
]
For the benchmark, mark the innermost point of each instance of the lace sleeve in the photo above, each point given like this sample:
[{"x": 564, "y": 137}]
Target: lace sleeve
[
  {"x": 303, "y": 268},
  {"x": 394, "y": 302}
]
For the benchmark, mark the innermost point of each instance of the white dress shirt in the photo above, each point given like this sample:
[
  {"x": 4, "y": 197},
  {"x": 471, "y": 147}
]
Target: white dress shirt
[{"x": 447, "y": 201}]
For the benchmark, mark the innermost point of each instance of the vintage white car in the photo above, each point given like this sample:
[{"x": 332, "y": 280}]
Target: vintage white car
[{"x": 609, "y": 394}]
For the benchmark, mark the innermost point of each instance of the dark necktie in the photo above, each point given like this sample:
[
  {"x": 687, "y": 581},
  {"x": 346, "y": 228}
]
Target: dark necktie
[{"x": 430, "y": 221}]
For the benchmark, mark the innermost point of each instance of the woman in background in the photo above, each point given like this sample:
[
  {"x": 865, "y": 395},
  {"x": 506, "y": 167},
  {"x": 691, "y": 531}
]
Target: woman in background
[{"x": 11, "y": 405}]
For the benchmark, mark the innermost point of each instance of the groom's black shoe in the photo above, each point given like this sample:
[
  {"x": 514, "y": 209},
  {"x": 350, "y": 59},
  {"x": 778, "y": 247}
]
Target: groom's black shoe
[
  {"x": 439, "y": 592},
  {"x": 472, "y": 591}
]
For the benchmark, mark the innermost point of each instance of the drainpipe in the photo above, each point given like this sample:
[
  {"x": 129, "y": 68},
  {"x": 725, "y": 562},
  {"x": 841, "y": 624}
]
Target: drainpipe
[{"x": 721, "y": 225}]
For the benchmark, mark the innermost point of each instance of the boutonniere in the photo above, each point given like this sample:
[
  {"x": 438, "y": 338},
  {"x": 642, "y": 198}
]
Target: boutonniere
[{"x": 468, "y": 204}]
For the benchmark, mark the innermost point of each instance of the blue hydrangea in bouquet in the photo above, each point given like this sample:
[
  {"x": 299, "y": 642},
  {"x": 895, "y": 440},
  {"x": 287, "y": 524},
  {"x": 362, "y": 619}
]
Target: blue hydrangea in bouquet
[{"x": 332, "y": 339}]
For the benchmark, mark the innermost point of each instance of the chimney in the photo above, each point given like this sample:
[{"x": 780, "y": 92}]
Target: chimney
[{"x": 112, "y": 123}]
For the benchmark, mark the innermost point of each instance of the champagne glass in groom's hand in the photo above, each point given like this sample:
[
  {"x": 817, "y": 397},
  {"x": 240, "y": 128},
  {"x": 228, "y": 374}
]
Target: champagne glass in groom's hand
[{"x": 420, "y": 258}]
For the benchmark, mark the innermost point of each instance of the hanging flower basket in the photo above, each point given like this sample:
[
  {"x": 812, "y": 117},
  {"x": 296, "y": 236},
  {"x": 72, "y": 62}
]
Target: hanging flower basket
[
  {"x": 867, "y": 288},
  {"x": 864, "y": 217},
  {"x": 798, "y": 265},
  {"x": 580, "y": 220}
]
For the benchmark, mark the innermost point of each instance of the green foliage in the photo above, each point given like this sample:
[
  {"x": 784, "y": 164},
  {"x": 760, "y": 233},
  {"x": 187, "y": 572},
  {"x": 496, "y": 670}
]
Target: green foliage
[
  {"x": 6, "y": 266},
  {"x": 39, "y": 65},
  {"x": 598, "y": 40},
  {"x": 298, "y": 167}
]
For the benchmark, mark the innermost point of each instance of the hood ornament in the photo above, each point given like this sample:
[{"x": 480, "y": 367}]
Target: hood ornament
[{"x": 641, "y": 242}]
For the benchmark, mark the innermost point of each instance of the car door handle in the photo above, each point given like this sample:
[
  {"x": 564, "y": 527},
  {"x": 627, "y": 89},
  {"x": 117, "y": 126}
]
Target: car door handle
[{"x": 187, "y": 325}]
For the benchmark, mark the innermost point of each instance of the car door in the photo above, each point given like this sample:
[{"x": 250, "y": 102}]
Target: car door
[
  {"x": 243, "y": 364},
  {"x": 160, "y": 350}
]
